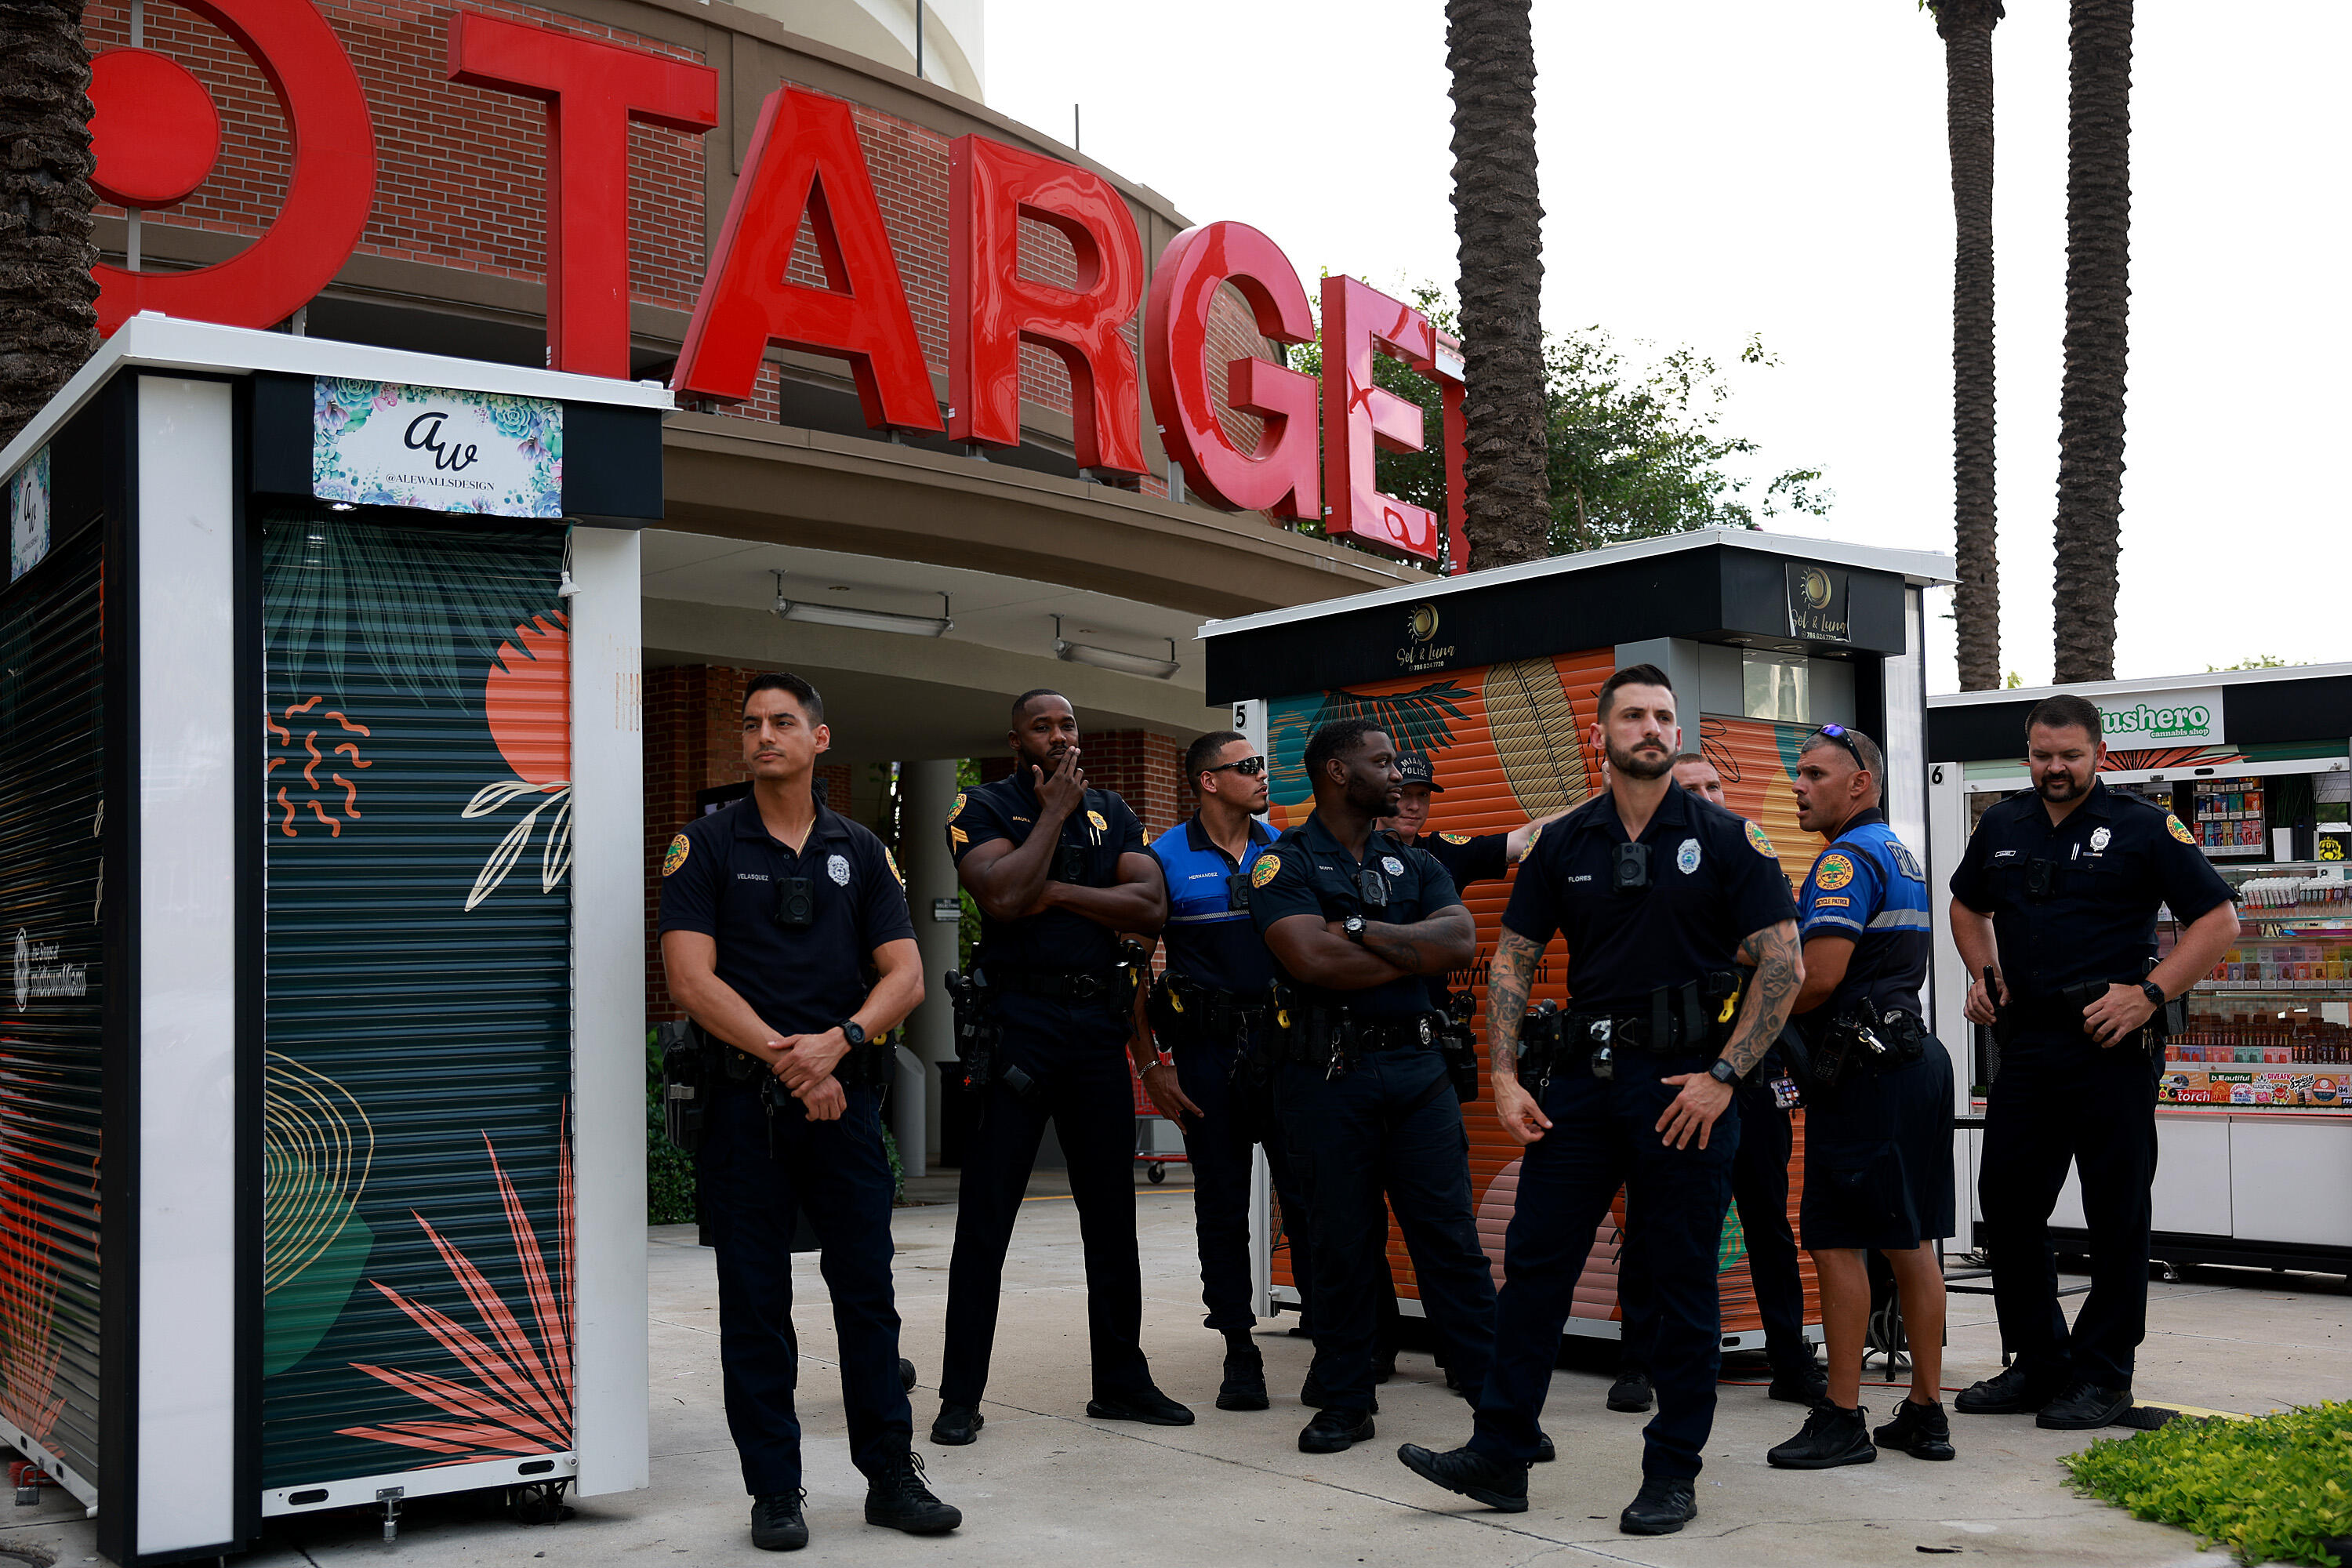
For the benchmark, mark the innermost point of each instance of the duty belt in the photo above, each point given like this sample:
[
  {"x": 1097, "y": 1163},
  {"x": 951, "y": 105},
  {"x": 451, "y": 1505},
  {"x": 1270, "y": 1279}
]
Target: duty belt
[
  {"x": 1334, "y": 1037},
  {"x": 1690, "y": 1019},
  {"x": 1222, "y": 1016},
  {"x": 1057, "y": 984}
]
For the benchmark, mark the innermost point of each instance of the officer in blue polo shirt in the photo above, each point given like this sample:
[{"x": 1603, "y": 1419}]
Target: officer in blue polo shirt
[
  {"x": 1357, "y": 923},
  {"x": 1212, "y": 1012},
  {"x": 785, "y": 937},
  {"x": 1659, "y": 895},
  {"x": 1878, "y": 1118}
]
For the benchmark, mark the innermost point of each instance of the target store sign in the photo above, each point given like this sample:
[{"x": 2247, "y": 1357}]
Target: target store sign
[{"x": 156, "y": 135}]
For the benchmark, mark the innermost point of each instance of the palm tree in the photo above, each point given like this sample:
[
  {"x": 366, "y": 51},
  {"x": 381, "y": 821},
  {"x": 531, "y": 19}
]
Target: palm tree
[
  {"x": 1966, "y": 27},
  {"x": 1498, "y": 224},
  {"x": 49, "y": 301},
  {"x": 2098, "y": 305}
]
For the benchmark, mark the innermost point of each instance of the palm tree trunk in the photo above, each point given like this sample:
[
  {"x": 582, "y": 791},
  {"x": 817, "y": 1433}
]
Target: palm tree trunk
[
  {"x": 1966, "y": 27},
  {"x": 48, "y": 309},
  {"x": 2098, "y": 305},
  {"x": 1498, "y": 223}
]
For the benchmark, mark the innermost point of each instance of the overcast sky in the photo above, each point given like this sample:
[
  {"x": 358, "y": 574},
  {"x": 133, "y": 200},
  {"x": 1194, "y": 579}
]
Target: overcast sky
[{"x": 1714, "y": 168}]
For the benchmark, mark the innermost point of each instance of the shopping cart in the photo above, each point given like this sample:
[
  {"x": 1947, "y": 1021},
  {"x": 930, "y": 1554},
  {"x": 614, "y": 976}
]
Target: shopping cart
[{"x": 1158, "y": 1143}]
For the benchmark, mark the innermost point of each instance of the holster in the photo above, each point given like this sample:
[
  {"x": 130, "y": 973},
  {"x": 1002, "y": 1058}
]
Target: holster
[
  {"x": 685, "y": 1068},
  {"x": 1459, "y": 1045},
  {"x": 976, "y": 1029},
  {"x": 1863, "y": 1042}
]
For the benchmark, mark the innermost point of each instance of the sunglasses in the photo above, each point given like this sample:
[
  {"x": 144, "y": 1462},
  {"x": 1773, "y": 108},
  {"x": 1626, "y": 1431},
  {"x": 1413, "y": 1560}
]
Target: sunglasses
[
  {"x": 1248, "y": 767},
  {"x": 1837, "y": 733}
]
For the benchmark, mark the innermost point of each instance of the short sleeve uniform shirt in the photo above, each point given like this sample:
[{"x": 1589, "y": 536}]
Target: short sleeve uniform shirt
[
  {"x": 1867, "y": 886},
  {"x": 1210, "y": 938},
  {"x": 1308, "y": 872},
  {"x": 1095, "y": 835},
  {"x": 724, "y": 876}
]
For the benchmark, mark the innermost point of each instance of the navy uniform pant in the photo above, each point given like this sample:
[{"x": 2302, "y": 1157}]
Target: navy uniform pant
[
  {"x": 1603, "y": 1136},
  {"x": 2060, "y": 1099},
  {"x": 1221, "y": 1155},
  {"x": 1760, "y": 1186},
  {"x": 1389, "y": 1125},
  {"x": 755, "y": 1174},
  {"x": 1076, "y": 1057}
]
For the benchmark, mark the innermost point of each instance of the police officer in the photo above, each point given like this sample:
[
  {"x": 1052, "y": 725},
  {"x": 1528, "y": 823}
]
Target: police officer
[
  {"x": 1357, "y": 922},
  {"x": 2055, "y": 900},
  {"x": 773, "y": 912},
  {"x": 1878, "y": 1125},
  {"x": 1760, "y": 1186},
  {"x": 1059, "y": 870},
  {"x": 1212, "y": 1012},
  {"x": 1658, "y": 895}
]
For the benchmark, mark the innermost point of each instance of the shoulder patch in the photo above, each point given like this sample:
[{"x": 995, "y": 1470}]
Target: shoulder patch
[
  {"x": 892, "y": 861},
  {"x": 1757, "y": 842},
  {"x": 1832, "y": 872},
  {"x": 957, "y": 809},
  {"x": 2174, "y": 826},
  {"x": 1268, "y": 867},
  {"x": 679, "y": 849},
  {"x": 1455, "y": 837},
  {"x": 1533, "y": 834}
]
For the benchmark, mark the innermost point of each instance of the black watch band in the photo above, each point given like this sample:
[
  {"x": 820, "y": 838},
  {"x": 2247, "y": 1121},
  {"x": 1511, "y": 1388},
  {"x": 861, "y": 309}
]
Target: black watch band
[
  {"x": 1723, "y": 1071},
  {"x": 1354, "y": 926},
  {"x": 854, "y": 1032},
  {"x": 2155, "y": 992}
]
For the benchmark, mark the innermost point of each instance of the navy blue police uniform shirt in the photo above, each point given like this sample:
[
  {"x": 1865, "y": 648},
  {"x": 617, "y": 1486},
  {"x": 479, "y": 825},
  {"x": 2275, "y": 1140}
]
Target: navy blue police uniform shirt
[
  {"x": 2111, "y": 863},
  {"x": 1867, "y": 886},
  {"x": 1714, "y": 881},
  {"x": 1102, "y": 829},
  {"x": 724, "y": 876},
  {"x": 1210, "y": 941},
  {"x": 1306, "y": 872},
  {"x": 1467, "y": 857}
]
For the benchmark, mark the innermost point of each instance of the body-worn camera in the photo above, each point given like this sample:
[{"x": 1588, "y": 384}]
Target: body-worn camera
[
  {"x": 1237, "y": 892},
  {"x": 796, "y": 902},
  {"x": 1069, "y": 863},
  {"x": 1631, "y": 870},
  {"x": 2040, "y": 877},
  {"x": 1374, "y": 888}
]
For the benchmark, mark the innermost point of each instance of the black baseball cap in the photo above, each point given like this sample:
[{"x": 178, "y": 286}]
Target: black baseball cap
[{"x": 1415, "y": 766}]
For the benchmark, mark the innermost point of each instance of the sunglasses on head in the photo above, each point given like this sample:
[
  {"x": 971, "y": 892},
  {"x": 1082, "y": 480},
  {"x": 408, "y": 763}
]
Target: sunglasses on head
[
  {"x": 1248, "y": 767},
  {"x": 1837, "y": 733}
]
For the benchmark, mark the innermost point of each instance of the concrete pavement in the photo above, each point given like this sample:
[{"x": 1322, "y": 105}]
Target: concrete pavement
[{"x": 1045, "y": 1484}]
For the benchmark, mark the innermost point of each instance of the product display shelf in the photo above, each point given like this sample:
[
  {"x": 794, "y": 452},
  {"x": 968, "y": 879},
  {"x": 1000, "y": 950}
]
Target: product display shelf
[{"x": 2270, "y": 1029}]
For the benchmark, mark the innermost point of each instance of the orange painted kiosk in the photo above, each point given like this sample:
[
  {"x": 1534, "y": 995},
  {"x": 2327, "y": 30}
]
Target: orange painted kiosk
[{"x": 1493, "y": 675}]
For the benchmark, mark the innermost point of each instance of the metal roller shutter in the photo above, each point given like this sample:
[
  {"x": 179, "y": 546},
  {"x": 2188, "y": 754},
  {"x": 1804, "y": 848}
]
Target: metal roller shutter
[
  {"x": 52, "y": 751},
  {"x": 417, "y": 1210}
]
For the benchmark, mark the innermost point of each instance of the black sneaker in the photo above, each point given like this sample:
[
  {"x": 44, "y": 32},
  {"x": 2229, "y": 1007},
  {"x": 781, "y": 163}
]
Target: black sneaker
[
  {"x": 1500, "y": 1485},
  {"x": 2083, "y": 1407},
  {"x": 1830, "y": 1437},
  {"x": 1245, "y": 1384},
  {"x": 776, "y": 1521},
  {"x": 1661, "y": 1508},
  {"x": 897, "y": 1499},
  {"x": 1920, "y": 1430},
  {"x": 1545, "y": 1452},
  {"x": 957, "y": 1424},
  {"x": 1632, "y": 1391},
  {"x": 1311, "y": 1395},
  {"x": 1804, "y": 1384},
  {"x": 1335, "y": 1432},
  {"x": 1145, "y": 1404},
  {"x": 2016, "y": 1392}
]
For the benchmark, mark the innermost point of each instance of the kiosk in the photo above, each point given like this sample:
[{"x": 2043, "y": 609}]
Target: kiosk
[
  {"x": 1493, "y": 674},
  {"x": 320, "y": 858},
  {"x": 2255, "y": 1105}
]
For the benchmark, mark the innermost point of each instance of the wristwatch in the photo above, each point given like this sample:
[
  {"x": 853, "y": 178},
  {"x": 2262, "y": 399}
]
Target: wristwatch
[
  {"x": 2155, "y": 992},
  {"x": 1722, "y": 1071},
  {"x": 854, "y": 1032},
  {"x": 1354, "y": 926}
]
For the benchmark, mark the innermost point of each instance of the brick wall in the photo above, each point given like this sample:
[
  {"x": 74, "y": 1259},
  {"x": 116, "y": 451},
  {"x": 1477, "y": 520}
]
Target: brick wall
[
  {"x": 461, "y": 177},
  {"x": 1144, "y": 769}
]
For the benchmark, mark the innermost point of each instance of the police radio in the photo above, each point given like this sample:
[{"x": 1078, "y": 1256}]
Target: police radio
[{"x": 796, "y": 902}]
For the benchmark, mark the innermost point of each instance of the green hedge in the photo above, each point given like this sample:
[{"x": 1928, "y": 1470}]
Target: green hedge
[{"x": 2273, "y": 1489}]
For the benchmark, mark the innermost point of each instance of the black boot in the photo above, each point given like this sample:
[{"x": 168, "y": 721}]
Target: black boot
[
  {"x": 1335, "y": 1432},
  {"x": 1500, "y": 1486},
  {"x": 1801, "y": 1383},
  {"x": 957, "y": 1424},
  {"x": 1145, "y": 1404},
  {"x": 1830, "y": 1437},
  {"x": 897, "y": 1499},
  {"x": 2016, "y": 1392},
  {"x": 2083, "y": 1407},
  {"x": 776, "y": 1521},
  {"x": 1245, "y": 1384},
  {"x": 1918, "y": 1430},
  {"x": 1661, "y": 1508},
  {"x": 1311, "y": 1395},
  {"x": 1630, "y": 1390}
]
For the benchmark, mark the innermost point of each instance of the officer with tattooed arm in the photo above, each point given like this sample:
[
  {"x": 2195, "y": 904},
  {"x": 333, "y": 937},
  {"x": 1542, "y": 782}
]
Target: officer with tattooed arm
[
  {"x": 1357, "y": 923},
  {"x": 1059, "y": 871},
  {"x": 1658, "y": 895}
]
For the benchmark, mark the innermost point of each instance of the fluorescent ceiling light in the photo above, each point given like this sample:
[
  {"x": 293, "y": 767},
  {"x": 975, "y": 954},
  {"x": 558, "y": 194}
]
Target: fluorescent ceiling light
[
  {"x": 1112, "y": 658},
  {"x": 864, "y": 620}
]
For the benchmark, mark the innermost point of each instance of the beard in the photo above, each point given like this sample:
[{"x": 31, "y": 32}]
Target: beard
[
  {"x": 1639, "y": 765},
  {"x": 1371, "y": 797},
  {"x": 2056, "y": 786}
]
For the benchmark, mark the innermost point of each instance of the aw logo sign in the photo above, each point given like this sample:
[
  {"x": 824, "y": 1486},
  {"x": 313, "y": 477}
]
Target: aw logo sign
[{"x": 24, "y": 970}]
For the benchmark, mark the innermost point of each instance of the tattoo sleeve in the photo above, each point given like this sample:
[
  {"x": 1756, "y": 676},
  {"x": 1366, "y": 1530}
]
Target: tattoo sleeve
[
  {"x": 1779, "y": 962},
  {"x": 1422, "y": 948},
  {"x": 1508, "y": 981}
]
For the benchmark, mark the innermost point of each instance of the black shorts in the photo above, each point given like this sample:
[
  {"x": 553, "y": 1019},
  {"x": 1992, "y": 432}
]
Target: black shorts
[{"x": 1878, "y": 1159}]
